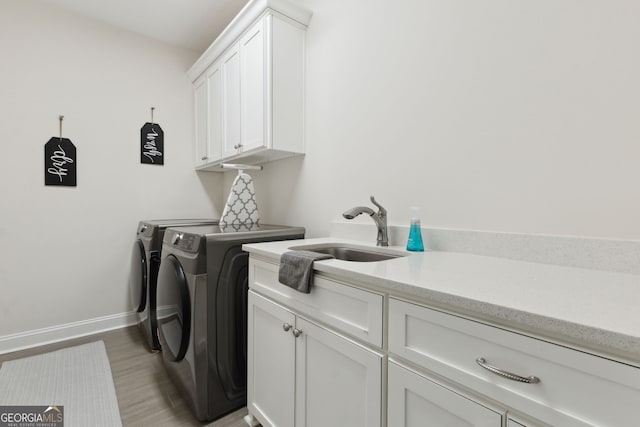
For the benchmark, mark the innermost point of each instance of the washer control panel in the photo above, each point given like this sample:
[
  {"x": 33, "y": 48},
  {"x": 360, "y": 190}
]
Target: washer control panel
[{"x": 183, "y": 241}]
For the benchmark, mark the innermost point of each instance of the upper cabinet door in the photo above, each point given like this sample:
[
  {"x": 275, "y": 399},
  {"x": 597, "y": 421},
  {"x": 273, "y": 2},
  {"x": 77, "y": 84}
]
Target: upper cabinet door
[
  {"x": 201, "y": 122},
  {"x": 214, "y": 83},
  {"x": 253, "y": 77},
  {"x": 230, "y": 66}
]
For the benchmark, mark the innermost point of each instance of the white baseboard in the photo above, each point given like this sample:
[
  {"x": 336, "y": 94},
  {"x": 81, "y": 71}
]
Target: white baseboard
[{"x": 38, "y": 337}]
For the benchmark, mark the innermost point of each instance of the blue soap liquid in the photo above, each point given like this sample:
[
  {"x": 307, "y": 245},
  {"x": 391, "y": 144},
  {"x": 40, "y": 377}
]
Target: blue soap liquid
[{"x": 415, "y": 238}]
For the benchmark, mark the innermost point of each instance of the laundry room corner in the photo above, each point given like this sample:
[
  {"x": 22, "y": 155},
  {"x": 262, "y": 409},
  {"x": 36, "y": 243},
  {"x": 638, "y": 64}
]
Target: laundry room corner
[
  {"x": 66, "y": 249},
  {"x": 214, "y": 187}
]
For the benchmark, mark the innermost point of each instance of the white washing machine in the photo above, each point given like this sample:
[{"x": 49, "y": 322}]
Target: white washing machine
[
  {"x": 143, "y": 276},
  {"x": 202, "y": 312}
]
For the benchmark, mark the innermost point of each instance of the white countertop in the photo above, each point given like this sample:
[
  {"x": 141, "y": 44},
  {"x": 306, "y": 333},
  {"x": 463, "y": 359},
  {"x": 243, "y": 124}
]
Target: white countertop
[{"x": 598, "y": 311}]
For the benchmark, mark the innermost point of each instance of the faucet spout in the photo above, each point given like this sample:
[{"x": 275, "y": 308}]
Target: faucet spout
[
  {"x": 380, "y": 218},
  {"x": 354, "y": 212}
]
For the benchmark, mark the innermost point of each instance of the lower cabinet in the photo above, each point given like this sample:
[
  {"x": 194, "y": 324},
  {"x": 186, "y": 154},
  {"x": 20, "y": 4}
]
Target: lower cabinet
[
  {"x": 304, "y": 375},
  {"x": 416, "y": 401},
  {"x": 320, "y": 359},
  {"x": 549, "y": 383},
  {"x": 270, "y": 362}
]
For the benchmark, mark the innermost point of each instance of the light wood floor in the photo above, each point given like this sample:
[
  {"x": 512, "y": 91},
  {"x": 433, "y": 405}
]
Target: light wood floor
[{"x": 146, "y": 396}]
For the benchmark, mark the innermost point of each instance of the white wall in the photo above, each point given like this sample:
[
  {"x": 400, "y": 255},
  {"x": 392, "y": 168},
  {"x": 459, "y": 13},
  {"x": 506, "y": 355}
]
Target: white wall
[
  {"x": 496, "y": 115},
  {"x": 501, "y": 115},
  {"x": 65, "y": 251}
]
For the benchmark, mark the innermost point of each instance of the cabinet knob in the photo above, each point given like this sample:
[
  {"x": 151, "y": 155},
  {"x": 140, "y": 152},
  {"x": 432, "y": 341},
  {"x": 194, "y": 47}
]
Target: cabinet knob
[
  {"x": 286, "y": 327},
  {"x": 296, "y": 332},
  {"x": 203, "y": 158},
  {"x": 237, "y": 146}
]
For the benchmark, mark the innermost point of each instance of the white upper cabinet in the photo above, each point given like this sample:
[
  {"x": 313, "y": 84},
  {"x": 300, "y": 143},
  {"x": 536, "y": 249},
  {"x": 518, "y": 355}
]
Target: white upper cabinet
[
  {"x": 208, "y": 119},
  {"x": 253, "y": 75},
  {"x": 201, "y": 122},
  {"x": 214, "y": 112},
  {"x": 230, "y": 102},
  {"x": 258, "y": 64}
]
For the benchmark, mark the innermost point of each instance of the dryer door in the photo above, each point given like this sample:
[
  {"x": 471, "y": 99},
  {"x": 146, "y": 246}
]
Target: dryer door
[
  {"x": 138, "y": 277},
  {"x": 174, "y": 309},
  {"x": 231, "y": 323}
]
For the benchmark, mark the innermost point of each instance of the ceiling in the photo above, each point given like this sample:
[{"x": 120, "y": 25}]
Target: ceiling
[{"x": 188, "y": 24}]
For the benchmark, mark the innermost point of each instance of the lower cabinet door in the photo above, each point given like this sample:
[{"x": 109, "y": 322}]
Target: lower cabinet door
[
  {"x": 270, "y": 363},
  {"x": 415, "y": 401},
  {"x": 338, "y": 382}
]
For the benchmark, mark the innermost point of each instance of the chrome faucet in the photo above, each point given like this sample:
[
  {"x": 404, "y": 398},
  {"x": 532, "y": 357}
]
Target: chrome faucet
[{"x": 380, "y": 218}]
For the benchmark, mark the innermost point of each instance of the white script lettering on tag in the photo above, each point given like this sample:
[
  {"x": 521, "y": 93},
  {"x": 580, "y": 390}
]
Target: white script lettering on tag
[
  {"x": 151, "y": 150},
  {"x": 59, "y": 161}
]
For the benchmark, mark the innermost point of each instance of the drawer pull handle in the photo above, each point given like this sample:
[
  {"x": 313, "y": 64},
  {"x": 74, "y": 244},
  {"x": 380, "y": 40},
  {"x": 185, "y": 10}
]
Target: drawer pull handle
[
  {"x": 529, "y": 380},
  {"x": 286, "y": 327}
]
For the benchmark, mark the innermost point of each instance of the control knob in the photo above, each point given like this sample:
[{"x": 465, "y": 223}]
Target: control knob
[{"x": 177, "y": 238}]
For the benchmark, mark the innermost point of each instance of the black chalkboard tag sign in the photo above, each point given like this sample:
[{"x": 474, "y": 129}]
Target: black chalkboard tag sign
[
  {"x": 60, "y": 161},
  {"x": 152, "y": 144}
]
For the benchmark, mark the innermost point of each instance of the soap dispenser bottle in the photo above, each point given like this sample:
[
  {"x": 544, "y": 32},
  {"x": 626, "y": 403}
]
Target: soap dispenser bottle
[{"x": 414, "y": 243}]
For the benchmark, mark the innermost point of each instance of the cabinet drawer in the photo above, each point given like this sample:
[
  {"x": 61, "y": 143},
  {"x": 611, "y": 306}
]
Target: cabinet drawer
[
  {"x": 354, "y": 311},
  {"x": 416, "y": 400},
  {"x": 575, "y": 388}
]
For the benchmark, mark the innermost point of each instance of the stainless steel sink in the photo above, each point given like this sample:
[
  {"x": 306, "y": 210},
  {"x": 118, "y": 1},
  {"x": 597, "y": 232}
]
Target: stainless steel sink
[{"x": 352, "y": 253}]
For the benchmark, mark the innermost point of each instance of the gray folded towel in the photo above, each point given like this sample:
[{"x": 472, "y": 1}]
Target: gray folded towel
[{"x": 296, "y": 269}]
